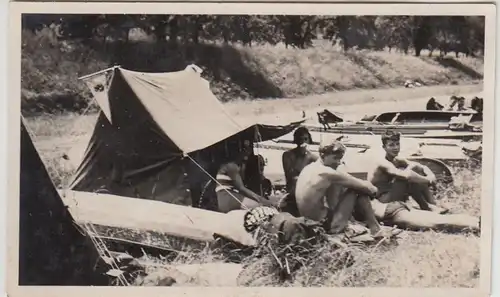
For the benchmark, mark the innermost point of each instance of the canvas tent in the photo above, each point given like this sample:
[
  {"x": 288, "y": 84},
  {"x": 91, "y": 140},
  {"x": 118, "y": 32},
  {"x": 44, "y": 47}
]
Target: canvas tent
[
  {"x": 52, "y": 250},
  {"x": 158, "y": 135}
]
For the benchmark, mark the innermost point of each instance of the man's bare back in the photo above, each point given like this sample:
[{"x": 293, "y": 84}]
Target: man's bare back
[
  {"x": 319, "y": 189},
  {"x": 313, "y": 185}
]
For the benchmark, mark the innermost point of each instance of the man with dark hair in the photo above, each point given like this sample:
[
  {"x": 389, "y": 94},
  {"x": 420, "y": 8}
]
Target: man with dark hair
[
  {"x": 322, "y": 181},
  {"x": 294, "y": 161},
  {"x": 396, "y": 179}
]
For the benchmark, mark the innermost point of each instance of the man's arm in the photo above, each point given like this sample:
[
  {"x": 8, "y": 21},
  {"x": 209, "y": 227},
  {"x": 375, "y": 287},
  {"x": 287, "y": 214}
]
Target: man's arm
[
  {"x": 233, "y": 173},
  {"x": 288, "y": 169},
  {"x": 426, "y": 170},
  {"x": 407, "y": 173}
]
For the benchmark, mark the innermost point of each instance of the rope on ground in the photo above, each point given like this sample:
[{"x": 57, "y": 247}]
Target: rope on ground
[{"x": 104, "y": 252}]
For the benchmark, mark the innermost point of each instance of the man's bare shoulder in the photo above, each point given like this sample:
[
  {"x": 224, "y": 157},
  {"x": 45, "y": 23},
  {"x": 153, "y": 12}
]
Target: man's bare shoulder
[
  {"x": 312, "y": 157},
  {"x": 381, "y": 162},
  {"x": 326, "y": 172}
]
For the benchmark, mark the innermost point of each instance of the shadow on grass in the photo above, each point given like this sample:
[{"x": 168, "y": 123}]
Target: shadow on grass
[
  {"x": 229, "y": 70},
  {"x": 357, "y": 58},
  {"x": 52, "y": 103},
  {"x": 449, "y": 62}
]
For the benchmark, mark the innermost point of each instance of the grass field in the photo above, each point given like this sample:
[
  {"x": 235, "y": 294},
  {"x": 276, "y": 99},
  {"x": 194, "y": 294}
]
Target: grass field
[{"x": 421, "y": 259}]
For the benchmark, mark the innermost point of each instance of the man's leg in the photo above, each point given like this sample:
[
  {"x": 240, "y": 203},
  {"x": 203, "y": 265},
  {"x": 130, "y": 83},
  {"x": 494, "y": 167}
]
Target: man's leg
[
  {"x": 416, "y": 191},
  {"x": 424, "y": 198},
  {"x": 229, "y": 200},
  {"x": 422, "y": 190},
  {"x": 401, "y": 190},
  {"x": 364, "y": 208},
  {"x": 419, "y": 219},
  {"x": 340, "y": 214},
  {"x": 421, "y": 193}
]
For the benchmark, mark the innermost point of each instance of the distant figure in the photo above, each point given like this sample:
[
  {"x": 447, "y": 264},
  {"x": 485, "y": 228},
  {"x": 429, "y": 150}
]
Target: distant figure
[
  {"x": 458, "y": 101},
  {"x": 432, "y": 104},
  {"x": 325, "y": 117},
  {"x": 477, "y": 104}
]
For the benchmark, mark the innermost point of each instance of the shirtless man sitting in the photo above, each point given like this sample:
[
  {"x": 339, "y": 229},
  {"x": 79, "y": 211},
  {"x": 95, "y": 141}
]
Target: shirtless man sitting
[
  {"x": 296, "y": 159},
  {"x": 293, "y": 162},
  {"x": 396, "y": 179},
  {"x": 322, "y": 181}
]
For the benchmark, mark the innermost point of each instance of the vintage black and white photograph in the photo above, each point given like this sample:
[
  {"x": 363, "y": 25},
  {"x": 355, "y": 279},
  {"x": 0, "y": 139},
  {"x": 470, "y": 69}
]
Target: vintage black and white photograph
[{"x": 251, "y": 149}]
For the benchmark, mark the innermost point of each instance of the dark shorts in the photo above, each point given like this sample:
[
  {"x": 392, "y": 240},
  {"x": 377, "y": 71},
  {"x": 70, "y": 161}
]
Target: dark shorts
[{"x": 393, "y": 208}]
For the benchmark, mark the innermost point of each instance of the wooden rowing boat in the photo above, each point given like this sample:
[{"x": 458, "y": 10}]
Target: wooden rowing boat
[{"x": 419, "y": 123}]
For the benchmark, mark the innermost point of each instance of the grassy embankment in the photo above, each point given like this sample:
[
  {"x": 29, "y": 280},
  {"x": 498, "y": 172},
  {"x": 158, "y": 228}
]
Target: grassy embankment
[{"x": 50, "y": 69}]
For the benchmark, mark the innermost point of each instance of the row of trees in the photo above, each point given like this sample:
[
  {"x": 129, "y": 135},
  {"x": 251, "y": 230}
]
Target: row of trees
[{"x": 459, "y": 34}]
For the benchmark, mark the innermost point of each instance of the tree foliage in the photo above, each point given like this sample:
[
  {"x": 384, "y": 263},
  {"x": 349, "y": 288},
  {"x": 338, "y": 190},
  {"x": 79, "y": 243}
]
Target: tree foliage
[{"x": 459, "y": 34}]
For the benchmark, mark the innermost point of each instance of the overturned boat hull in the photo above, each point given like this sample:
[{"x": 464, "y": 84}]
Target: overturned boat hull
[
  {"x": 176, "y": 221},
  {"x": 416, "y": 131},
  {"x": 416, "y": 123}
]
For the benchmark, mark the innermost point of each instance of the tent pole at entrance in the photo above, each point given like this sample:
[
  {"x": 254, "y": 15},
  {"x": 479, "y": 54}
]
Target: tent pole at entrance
[{"x": 99, "y": 72}]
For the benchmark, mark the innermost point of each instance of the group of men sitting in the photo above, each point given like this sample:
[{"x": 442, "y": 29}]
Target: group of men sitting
[
  {"x": 319, "y": 189},
  {"x": 457, "y": 102}
]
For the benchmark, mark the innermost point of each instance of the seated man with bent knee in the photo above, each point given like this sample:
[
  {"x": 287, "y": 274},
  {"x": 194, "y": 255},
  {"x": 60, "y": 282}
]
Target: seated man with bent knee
[
  {"x": 232, "y": 194},
  {"x": 322, "y": 181},
  {"x": 396, "y": 179}
]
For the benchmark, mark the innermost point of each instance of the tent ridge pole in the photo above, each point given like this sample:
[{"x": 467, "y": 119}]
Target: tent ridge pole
[{"x": 99, "y": 72}]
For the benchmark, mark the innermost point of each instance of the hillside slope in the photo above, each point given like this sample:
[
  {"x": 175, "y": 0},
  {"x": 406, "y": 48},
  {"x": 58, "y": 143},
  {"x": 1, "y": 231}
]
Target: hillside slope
[{"x": 50, "y": 69}]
